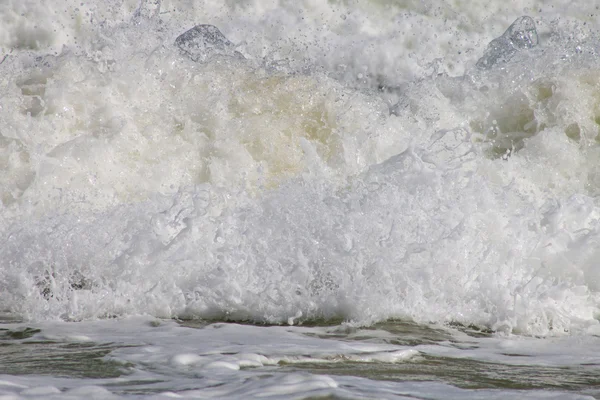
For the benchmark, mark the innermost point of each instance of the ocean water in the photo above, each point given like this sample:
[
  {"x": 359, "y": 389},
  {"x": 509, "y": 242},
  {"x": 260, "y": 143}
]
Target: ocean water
[{"x": 338, "y": 199}]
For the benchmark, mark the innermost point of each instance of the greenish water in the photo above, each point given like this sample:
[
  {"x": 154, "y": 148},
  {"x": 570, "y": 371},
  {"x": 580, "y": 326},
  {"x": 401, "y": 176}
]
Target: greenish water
[
  {"x": 468, "y": 374},
  {"x": 22, "y": 354},
  {"x": 461, "y": 372},
  {"x": 465, "y": 373}
]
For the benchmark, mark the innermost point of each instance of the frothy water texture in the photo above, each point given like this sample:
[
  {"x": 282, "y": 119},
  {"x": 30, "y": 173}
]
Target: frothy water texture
[{"x": 281, "y": 162}]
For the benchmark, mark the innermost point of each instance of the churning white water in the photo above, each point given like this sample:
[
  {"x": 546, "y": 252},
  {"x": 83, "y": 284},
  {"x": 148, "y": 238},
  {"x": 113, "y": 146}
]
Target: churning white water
[{"x": 341, "y": 163}]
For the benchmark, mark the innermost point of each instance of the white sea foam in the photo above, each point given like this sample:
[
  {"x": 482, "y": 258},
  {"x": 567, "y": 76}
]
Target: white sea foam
[{"x": 278, "y": 187}]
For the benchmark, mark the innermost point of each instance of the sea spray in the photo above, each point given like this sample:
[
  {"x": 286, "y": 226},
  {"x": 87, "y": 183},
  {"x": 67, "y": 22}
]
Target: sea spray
[{"x": 251, "y": 188}]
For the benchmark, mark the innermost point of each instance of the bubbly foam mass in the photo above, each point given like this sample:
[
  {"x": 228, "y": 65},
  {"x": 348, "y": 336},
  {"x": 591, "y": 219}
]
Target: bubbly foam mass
[{"x": 350, "y": 166}]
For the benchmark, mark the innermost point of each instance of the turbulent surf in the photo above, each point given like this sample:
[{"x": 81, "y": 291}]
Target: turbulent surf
[{"x": 344, "y": 164}]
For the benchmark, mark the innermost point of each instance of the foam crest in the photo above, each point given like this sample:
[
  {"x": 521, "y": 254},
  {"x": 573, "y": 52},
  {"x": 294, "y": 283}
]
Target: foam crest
[{"x": 138, "y": 181}]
